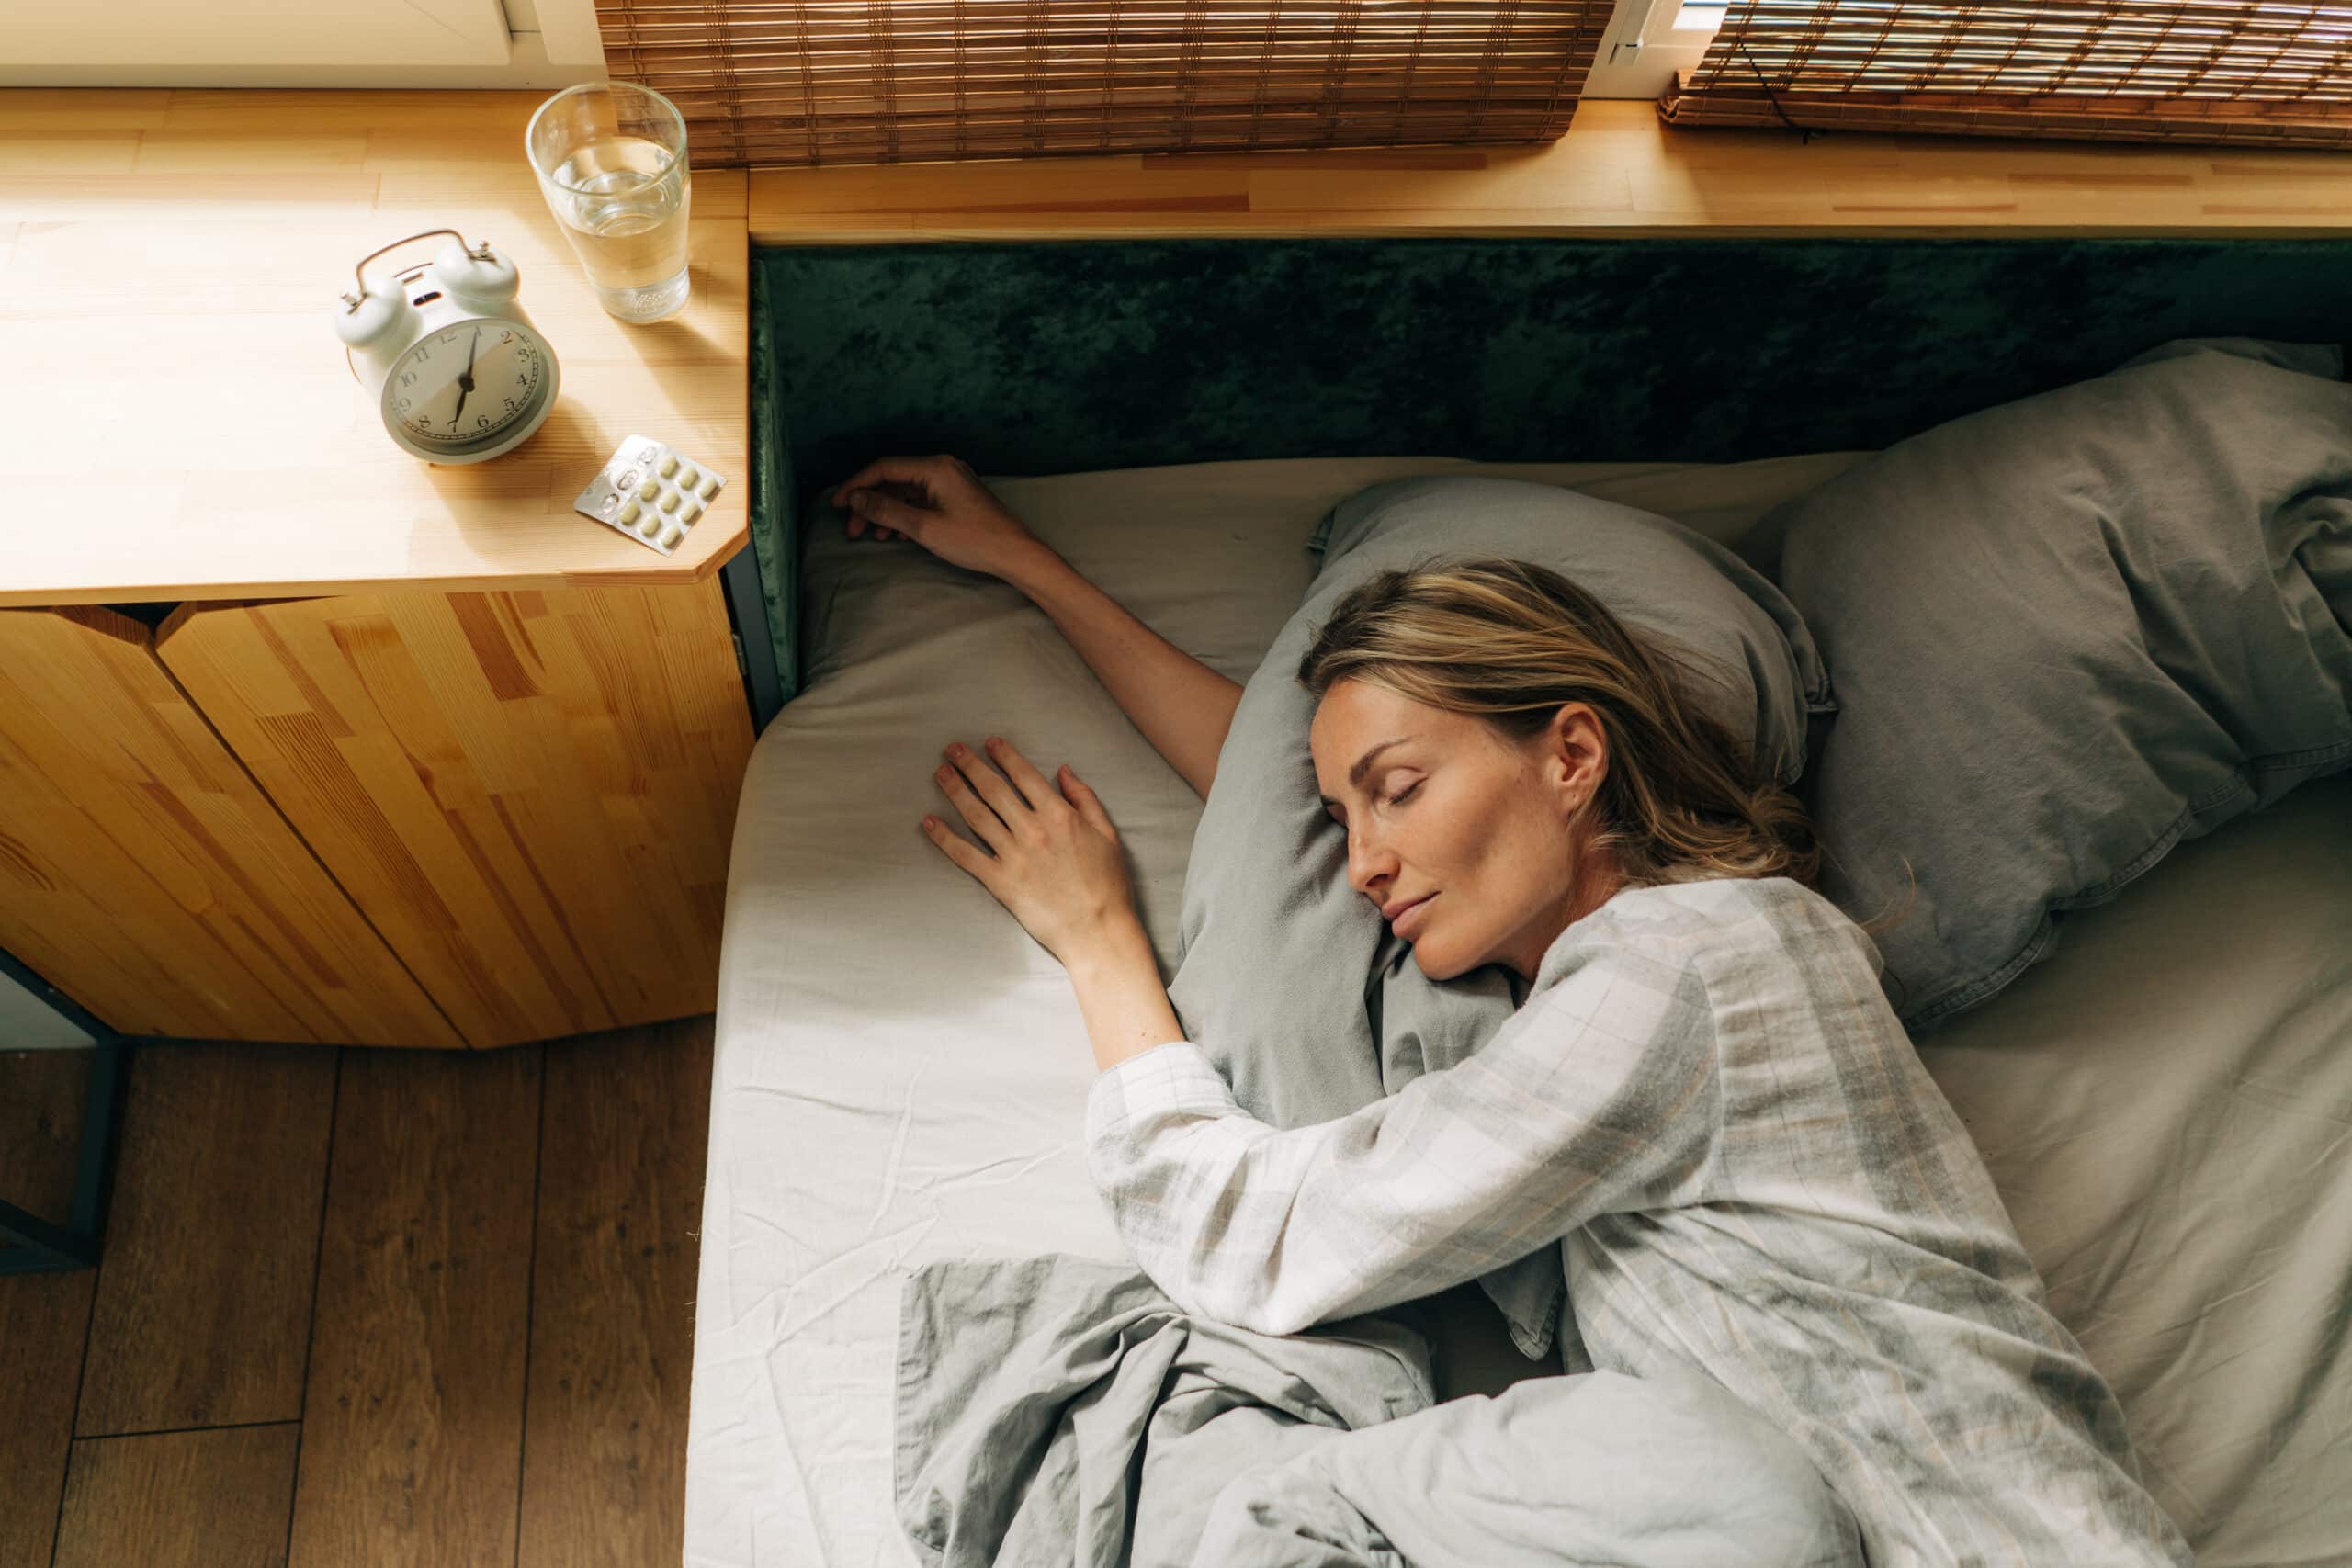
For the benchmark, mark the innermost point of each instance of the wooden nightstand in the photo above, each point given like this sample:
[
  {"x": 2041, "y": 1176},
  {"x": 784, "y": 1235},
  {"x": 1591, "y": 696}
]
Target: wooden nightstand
[{"x": 302, "y": 739}]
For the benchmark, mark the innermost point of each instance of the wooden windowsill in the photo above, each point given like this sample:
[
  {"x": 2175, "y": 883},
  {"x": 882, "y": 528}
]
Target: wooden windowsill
[
  {"x": 1618, "y": 171},
  {"x": 188, "y": 429}
]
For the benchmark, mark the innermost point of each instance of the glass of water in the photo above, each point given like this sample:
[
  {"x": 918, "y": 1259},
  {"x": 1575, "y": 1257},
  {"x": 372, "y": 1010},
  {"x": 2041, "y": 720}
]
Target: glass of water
[{"x": 611, "y": 158}]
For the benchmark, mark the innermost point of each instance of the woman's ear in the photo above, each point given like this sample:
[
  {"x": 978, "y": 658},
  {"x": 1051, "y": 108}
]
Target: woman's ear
[{"x": 1576, "y": 753}]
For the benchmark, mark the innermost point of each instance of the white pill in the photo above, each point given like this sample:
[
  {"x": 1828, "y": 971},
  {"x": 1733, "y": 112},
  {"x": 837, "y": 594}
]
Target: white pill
[
  {"x": 629, "y": 513},
  {"x": 669, "y": 500},
  {"x": 651, "y": 527},
  {"x": 670, "y": 540},
  {"x": 689, "y": 512},
  {"x": 709, "y": 486},
  {"x": 669, "y": 465},
  {"x": 686, "y": 477}
]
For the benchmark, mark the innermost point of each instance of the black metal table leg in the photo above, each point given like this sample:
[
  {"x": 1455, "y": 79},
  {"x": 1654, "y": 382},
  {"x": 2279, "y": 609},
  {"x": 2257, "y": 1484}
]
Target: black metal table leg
[
  {"x": 748, "y": 609},
  {"x": 35, "y": 1244}
]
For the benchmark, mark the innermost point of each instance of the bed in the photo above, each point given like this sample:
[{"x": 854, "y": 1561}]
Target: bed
[{"x": 901, "y": 1072}]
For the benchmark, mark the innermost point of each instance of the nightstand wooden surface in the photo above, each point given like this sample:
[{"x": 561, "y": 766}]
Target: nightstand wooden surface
[
  {"x": 480, "y": 753},
  {"x": 171, "y": 262}
]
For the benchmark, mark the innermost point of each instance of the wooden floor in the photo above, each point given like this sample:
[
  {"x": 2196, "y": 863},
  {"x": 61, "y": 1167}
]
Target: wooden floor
[{"x": 388, "y": 1308}]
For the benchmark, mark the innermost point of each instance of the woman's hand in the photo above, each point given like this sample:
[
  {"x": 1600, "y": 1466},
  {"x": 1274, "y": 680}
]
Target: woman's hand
[
  {"x": 940, "y": 504},
  {"x": 1053, "y": 859}
]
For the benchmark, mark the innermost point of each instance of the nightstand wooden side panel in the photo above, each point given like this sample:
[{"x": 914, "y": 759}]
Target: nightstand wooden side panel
[
  {"x": 530, "y": 794},
  {"x": 145, "y": 874}
]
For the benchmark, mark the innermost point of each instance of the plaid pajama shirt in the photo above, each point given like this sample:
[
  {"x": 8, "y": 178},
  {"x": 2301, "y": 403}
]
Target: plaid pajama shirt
[{"x": 1707, "y": 1102}]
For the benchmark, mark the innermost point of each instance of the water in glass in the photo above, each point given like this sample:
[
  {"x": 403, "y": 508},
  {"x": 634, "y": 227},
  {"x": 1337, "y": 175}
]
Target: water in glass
[{"x": 629, "y": 223}]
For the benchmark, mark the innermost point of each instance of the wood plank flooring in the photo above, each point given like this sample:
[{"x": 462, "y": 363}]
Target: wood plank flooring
[
  {"x": 361, "y": 1307},
  {"x": 44, "y": 1318}
]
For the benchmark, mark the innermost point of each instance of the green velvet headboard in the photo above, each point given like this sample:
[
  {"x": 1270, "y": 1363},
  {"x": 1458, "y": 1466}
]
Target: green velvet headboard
[{"x": 1033, "y": 358}]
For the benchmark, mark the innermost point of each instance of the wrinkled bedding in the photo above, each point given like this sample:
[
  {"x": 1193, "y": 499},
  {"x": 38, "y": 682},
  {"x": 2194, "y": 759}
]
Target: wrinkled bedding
[
  {"x": 1057, "y": 1410},
  {"x": 1061, "y": 1410},
  {"x": 902, "y": 1074}
]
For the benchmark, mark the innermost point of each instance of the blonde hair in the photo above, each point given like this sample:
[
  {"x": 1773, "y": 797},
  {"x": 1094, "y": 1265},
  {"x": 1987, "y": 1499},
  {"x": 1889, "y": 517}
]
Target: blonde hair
[{"x": 1511, "y": 642}]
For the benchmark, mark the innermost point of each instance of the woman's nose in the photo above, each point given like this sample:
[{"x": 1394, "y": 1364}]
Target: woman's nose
[{"x": 1368, "y": 866}]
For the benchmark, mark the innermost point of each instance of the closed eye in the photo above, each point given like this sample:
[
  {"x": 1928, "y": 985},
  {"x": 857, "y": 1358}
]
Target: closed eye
[{"x": 1402, "y": 796}]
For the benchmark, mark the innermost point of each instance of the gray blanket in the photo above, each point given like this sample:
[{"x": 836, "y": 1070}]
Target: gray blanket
[{"x": 1059, "y": 1411}]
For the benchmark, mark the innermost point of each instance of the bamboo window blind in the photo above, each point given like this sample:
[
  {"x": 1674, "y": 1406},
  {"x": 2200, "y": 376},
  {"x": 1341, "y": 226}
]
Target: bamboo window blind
[
  {"x": 2251, "y": 71},
  {"x": 766, "y": 82}
]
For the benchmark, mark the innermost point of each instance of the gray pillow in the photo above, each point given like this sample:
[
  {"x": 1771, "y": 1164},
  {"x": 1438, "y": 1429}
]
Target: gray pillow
[
  {"x": 2068, "y": 633},
  {"x": 1288, "y": 978}
]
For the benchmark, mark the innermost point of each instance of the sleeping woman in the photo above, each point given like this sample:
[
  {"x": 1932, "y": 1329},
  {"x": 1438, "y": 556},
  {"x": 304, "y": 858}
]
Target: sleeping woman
[{"x": 1704, "y": 1096}]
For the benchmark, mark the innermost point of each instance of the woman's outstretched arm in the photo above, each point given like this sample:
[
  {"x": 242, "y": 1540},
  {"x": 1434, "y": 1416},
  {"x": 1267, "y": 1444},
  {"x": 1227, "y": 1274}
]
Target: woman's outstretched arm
[{"x": 1182, "y": 706}]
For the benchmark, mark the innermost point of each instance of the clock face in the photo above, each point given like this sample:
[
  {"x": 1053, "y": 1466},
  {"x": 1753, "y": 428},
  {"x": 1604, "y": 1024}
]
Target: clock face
[{"x": 466, "y": 383}]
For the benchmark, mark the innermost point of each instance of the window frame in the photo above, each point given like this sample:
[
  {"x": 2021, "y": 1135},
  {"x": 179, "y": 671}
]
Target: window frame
[
  {"x": 1647, "y": 42},
  {"x": 548, "y": 43}
]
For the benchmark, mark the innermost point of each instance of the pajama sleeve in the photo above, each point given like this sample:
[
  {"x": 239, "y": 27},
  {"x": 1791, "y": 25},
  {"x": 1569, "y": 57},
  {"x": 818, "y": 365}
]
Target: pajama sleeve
[{"x": 1600, "y": 1095}]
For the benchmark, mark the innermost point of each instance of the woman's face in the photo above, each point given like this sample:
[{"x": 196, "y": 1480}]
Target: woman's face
[{"x": 1464, "y": 838}]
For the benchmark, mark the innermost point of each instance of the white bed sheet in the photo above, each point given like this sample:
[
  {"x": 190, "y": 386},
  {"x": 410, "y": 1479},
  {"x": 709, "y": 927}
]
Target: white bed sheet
[{"x": 901, "y": 1073}]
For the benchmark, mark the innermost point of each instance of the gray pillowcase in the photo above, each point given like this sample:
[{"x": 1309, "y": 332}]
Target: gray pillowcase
[
  {"x": 1289, "y": 979},
  {"x": 2068, "y": 633}
]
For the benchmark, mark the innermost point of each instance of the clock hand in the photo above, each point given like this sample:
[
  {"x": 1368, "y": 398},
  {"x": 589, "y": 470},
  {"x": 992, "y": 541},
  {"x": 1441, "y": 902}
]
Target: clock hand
[{"x": 466, "y": 378}]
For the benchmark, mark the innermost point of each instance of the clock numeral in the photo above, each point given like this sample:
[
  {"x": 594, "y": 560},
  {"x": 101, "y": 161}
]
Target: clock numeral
[
  {"x": 507, "y": 337},
  {"x": 408, "y": 378},
  {"x": 481, "y": 422},
  {"x": 400, "y": 407},
  {"x": 510, "y": 405}
]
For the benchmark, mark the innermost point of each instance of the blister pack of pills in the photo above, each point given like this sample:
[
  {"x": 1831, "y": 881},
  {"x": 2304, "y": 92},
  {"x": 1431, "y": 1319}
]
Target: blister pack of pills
[{"x": 652, "y": 492}]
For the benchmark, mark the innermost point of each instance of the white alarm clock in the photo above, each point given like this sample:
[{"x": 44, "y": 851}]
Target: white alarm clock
[{"x": 457, "y": 372}]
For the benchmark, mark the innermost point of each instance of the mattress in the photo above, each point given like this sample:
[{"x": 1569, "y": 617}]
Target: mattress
[{"x": 901, "y": 1073}]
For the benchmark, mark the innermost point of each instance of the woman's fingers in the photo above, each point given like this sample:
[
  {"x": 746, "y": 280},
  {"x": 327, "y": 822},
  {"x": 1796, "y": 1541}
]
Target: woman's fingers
[
  {"x": 990, "y": 786},
  {"x": 1088, "y": 804},
  {"x": 956, "y": 850},
  {"x": 1032, "y": 783},
  {"x": 882, "y": 511},
  {"x": 901, "y": 470},
  {"x": 1036, "y": 789},
  {"x": 983, "y": 819},
  {"x": 1052, "y": 861},
  {"x": 885, "y": 515}
]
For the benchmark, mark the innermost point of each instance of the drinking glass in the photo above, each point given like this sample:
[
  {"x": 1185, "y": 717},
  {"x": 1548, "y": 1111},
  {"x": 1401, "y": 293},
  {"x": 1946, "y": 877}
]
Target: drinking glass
[{"x": 611, "y": 158}]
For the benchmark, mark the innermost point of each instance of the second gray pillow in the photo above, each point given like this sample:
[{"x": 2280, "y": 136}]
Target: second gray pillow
[{"x": 2070, "y": 632}]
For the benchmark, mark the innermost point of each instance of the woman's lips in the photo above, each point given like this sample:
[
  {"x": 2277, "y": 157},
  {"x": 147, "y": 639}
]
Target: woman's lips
[{"x": 1410, "y": 919}]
